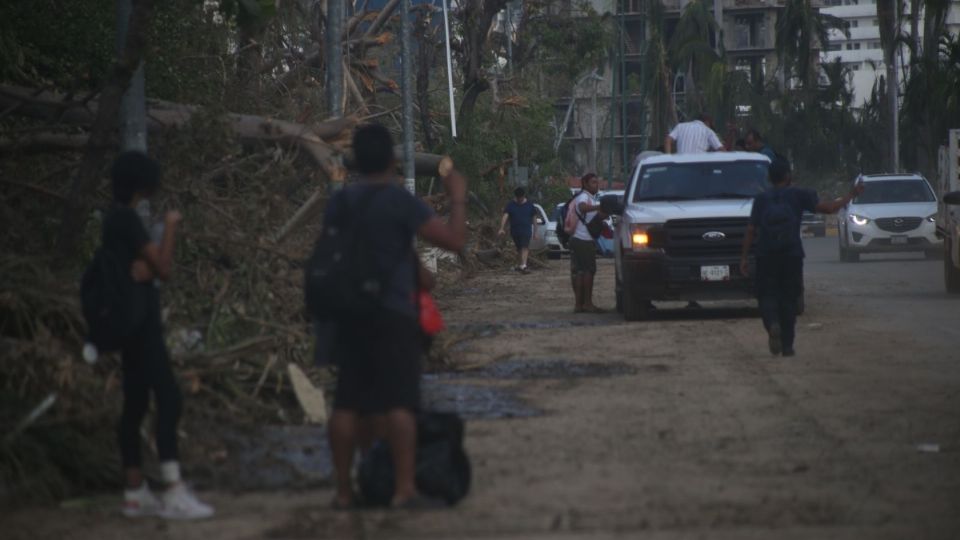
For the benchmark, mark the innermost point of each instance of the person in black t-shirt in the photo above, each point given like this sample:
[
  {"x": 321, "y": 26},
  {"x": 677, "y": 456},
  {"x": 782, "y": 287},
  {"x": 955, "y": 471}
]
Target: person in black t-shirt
[
  {"x": 775, "y": 224},
  {"x": 145, "y": 361},
  {"x": 378, "y": 380}
]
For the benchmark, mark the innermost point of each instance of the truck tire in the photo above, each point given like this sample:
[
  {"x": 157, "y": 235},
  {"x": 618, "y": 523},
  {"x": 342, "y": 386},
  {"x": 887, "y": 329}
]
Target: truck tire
[
  {"x": 951, "y": 274},
  {"x": 634, "y": 309}
]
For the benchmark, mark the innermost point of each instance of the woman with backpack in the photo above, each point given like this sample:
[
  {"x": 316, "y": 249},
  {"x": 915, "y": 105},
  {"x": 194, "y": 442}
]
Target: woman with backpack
[{"x": 122, "y": 281}]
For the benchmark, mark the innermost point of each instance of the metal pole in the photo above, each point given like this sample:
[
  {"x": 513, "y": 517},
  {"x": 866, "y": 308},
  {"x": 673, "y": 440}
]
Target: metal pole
[
  {"x": 406, "y": 55},
  {"x": 133, "y": 109},
  {"x": 453, "y": 108},
  {"x": 334, "y": 46},
  {"x": 593, "y": 128},
  {"x": 625, "y": 159}
]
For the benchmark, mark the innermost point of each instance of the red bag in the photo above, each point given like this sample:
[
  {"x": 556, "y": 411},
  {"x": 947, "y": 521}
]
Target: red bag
[{"x": 431, "y": 321}]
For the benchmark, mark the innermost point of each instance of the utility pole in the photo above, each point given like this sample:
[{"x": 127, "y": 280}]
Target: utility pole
[
  {"x": 334, "y": 49},
  {"x": 446, "y": 35},
  {"x": 133, "y": 107},
  {"x": 406, "y": 71}
]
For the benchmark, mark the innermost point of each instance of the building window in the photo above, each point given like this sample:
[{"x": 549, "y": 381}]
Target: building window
[
  {"x": 834, "y": 47},
  {"x": 854, "y": 23},
  {"x": 876, "y": 22}
]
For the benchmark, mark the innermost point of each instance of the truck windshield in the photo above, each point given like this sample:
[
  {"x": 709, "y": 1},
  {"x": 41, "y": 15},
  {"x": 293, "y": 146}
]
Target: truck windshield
[
  {"x": 687, "y": 181},
  {"x": 895, "y": 191}
]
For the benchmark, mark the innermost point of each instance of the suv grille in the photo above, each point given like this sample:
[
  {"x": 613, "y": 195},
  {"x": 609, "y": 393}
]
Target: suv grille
[
  {"x": 899, "y": 224},
  {"x": 685, "y": 237}
]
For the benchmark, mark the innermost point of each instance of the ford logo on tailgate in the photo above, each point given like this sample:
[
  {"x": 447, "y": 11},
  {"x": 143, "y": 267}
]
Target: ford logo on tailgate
[{"x": 714, "y": 236}]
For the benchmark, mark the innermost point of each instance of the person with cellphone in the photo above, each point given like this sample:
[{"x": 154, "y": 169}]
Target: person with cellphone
[{"x": 775, "y": 225}]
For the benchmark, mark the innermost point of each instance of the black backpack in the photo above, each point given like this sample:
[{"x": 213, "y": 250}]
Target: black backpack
[
  {"x": 112, "y": 304},
  {"x": 343, "y": 279},
  {"x": 442, "y": 467},
  {"x": 560, "y": 228},
  {"x": 779, "y": 224}
]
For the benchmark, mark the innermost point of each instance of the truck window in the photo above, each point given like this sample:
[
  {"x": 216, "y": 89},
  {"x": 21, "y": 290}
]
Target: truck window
[{"x": 686, "y": 181}]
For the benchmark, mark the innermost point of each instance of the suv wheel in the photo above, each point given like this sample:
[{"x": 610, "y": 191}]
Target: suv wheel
[
  {"x": 634, "y": 309},
  {"x": 951, "y": 274}
]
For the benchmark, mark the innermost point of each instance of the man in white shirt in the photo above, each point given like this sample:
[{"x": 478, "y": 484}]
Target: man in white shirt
[
  {"x": 583, "y": 248},
  {"x": 693, "y": 137}
]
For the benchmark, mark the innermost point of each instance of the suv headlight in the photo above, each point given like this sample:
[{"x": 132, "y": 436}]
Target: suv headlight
[
  {"x": 859, "y": 220},
  {"x": 932, "y": 218}
]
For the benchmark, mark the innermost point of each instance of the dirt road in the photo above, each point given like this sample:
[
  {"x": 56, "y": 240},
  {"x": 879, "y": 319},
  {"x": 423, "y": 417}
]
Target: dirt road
[{"x": 682, "y": 427}]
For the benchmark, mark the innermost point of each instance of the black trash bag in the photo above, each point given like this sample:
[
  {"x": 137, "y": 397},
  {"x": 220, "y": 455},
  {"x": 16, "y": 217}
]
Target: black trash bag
[{"x": 443, "y": 469}]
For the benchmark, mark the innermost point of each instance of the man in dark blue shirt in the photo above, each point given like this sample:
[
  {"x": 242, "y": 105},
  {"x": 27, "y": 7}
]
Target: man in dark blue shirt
[
  {"x": 775, "y": 224},
  {"x": 755, "y": 143},
  {"x": 521, "y": 213}
]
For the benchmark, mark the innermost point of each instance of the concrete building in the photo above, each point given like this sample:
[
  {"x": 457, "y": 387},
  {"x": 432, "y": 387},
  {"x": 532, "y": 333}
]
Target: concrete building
[{"x": 622, "y": 130}]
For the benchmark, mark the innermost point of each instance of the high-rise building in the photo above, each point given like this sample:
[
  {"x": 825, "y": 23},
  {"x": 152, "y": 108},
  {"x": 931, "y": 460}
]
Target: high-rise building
[{"x": 861, "y": 53}]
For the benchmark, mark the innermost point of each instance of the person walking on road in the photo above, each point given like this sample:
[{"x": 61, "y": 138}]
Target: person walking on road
[
  {"x": 755, "y": 143},
  {"x": 521, "y": 213},
  {"x": 145, "y": 362},
  {"x": 378, "y": 382},
  {"x": 775, "y": 224},
  {"x": 693, "y": 137},
  {"x": 582, "y": 223}
]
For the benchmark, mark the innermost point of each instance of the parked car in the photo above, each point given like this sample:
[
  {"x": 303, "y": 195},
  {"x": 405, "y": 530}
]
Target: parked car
[
  {"x": 555, "y": 249},
  {"x": 541, "y": 228},
  {"x": 896, "y": 212},
  {"x": 681, "y": 229},
  {"x": 813, "y": 224}
]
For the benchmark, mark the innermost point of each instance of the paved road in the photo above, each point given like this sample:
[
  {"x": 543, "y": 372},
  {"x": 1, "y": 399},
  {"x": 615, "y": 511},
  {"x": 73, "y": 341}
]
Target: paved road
[
  {"x": 681, "y": 427},
  {"x": 902, "y": 290}
]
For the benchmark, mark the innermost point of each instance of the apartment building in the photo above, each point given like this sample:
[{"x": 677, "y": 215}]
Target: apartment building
[{"x": 861, "y": 53}]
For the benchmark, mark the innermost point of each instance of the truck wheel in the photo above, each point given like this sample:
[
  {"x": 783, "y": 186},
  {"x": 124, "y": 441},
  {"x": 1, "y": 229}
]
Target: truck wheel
[
  {"x": 634, "y": 309},
  {"x": 951, "y": 274}
]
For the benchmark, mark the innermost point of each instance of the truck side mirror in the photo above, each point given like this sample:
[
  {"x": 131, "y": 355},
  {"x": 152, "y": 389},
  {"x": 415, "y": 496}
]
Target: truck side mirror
[
  {"x": 952, "y": 198},
  {"x": 612, "y": 205}
]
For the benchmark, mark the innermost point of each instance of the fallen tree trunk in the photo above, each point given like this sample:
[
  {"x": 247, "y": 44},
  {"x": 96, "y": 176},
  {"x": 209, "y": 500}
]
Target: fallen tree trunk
[{"x": 162, "y": 115}]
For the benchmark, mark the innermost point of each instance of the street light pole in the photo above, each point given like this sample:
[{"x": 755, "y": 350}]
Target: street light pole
[
  {"x": 133, "y": 108},
  {"x": 406, "y": 71}
]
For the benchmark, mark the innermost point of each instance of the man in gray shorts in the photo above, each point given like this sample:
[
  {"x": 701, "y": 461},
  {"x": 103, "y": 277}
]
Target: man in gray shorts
[{"x": 583, "y": 247}]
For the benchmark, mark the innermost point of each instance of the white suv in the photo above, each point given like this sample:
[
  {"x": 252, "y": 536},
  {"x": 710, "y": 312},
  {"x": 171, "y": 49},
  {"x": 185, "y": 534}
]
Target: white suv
[{"x": 896, "y": 212}]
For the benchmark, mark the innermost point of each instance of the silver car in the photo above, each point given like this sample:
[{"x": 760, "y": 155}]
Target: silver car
[{"x": 895, "y": 213}]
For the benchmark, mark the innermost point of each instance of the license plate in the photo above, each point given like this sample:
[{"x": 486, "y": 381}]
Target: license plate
[
  {"x": 715, "y": 273},
  {"x": 897, "y": 240}
]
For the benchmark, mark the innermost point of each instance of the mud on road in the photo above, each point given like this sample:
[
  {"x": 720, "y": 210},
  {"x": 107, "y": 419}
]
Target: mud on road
[{"x": 583, "y": 426}]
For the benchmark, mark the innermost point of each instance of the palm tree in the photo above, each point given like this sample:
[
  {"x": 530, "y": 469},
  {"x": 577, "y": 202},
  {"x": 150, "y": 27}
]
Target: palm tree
[
  {"x": 657, "y": 75},
  {"x": 690, "y": 48},
  {"x": 800, "y": 30},
  {"x": 889, "y": 16}
]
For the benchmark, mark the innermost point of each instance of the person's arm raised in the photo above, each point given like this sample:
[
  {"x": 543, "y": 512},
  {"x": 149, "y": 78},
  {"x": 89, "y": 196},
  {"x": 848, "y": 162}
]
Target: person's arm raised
[
  {"x": 834, "y": 206},
  {"x": 451, "y": 235},
  {"x": 160, "y": 256}
]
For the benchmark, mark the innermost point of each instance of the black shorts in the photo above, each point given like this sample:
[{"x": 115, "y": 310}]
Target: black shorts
[
  {"x": 583, "y": 256},
  {"x": 379, "y": 365},
  {"x": 522, "y": 241}
]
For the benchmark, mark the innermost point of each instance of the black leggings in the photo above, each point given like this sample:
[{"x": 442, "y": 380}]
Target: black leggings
[{"x": 146, "y": 368}]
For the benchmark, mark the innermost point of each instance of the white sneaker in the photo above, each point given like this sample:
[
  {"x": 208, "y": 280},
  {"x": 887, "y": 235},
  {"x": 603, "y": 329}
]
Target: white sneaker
[
  {"x": 140, "y": 502},
  {"x": 180, "y": 503}
]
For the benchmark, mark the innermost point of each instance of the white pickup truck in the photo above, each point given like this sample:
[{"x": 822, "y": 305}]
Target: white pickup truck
[
  {"x": 681, "y": 225},
  {"x": 948, "y": 213}
]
